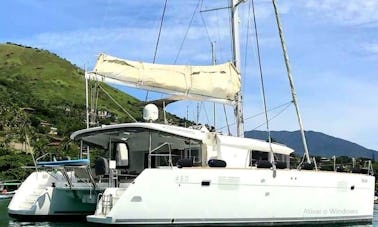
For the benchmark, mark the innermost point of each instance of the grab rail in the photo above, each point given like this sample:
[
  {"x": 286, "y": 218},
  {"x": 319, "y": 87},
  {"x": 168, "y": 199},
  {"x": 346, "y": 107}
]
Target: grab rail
[
  {"x": 169, "y": 155},
  {"x": 40, "y": 157}
]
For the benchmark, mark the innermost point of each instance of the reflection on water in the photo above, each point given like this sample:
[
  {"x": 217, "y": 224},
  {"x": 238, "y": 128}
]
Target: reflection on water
[{"x": 6, "y": 221}]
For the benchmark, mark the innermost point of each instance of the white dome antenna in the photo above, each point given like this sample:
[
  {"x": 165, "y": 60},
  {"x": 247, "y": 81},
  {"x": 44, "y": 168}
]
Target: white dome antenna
[{"x": 150, "y": 112}]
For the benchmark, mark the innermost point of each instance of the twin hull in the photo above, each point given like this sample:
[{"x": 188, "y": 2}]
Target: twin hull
[
  {"x": 238, "y": 196},
  {"x": 46, "y": 195}
]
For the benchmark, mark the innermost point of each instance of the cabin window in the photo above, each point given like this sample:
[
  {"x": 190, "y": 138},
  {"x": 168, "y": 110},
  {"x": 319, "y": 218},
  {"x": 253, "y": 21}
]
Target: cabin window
[
  {"x": 258, "y": 156},
  {"x": 122, "y": 155},
  {"x": 265, "y": 156},
  {"x": 135, "y": 149},
  {"x": 149, "y": 148}
]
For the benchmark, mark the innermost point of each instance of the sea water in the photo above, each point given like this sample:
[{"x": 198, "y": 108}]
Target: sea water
[{"x": 6, "y": 221}]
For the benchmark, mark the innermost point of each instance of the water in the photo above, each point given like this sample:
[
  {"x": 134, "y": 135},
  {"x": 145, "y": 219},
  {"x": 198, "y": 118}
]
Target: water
[{"x": 6, "y": 221}]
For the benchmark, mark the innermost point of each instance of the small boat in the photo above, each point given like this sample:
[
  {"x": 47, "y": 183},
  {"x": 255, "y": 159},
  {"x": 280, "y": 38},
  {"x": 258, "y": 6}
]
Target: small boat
[{"x": 77, "y": 162}]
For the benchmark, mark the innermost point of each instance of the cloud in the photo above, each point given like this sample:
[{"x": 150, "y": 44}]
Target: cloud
[
  {"x": 79, "y": 46},
  {"x": 136, "y": 42},
  {"x": 371, "y": 47},
  {"x": 350, "y": 12}
]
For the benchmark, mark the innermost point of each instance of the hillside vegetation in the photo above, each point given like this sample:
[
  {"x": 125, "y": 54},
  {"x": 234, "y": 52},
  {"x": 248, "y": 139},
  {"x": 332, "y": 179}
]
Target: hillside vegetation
[{"x": 43, "y": 101}]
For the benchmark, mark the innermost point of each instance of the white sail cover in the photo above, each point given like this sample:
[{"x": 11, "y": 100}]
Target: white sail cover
[{"x": 218, "y": 82}]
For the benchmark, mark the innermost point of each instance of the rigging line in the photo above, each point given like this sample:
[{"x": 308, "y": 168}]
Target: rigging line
[
  {"x": 204, "y": 23},
  {"x": 219, "y": 8},
  {"x": 219, "y": 37},
  {"x": 287, "y": 104},
  {"x": 93, "y": 103},
  {"x": 117, "y": 103},
  {"x": 279, "y": 113},
  {"x": 230, "y": 30},
  {"x": 158, "y": 38},
  {"x": 293, "y": 93},
  {"x": 187, "y": 31},
  {"x": 262, "y": 82},
  {"x": 159, "y": 34},
  {"x": 227, "y": 125},
  {"x": 246, "y": 46},
  {"x": 97, "y": 94},
  {"x": 93, "y": 108},
  {"x": 206, "y": 115}
]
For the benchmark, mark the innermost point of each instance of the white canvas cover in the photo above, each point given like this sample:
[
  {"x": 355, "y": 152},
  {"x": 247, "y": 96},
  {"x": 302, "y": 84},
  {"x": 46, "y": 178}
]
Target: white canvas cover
[{"x": 218, "y": 82}]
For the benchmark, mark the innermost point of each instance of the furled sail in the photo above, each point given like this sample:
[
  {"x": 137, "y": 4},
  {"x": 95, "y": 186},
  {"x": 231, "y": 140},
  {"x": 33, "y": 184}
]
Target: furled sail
[{"x": 218, "y": 82}]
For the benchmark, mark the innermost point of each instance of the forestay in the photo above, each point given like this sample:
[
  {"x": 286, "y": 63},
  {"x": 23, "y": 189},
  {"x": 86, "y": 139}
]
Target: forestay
[{"x": 218, "y": 83}]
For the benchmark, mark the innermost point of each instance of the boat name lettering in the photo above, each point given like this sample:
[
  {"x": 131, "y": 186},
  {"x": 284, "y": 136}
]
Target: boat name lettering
[{"x": 182, "y": 179}]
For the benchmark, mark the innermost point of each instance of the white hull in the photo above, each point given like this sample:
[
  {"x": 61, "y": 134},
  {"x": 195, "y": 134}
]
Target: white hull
[
  {"x": 239, "y": 196},
  {"x": 46, "y": 194}
]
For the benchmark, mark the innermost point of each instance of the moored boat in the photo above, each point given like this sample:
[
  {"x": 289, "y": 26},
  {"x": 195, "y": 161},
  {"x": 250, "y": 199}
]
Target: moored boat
[
  {"x": 175, "y": 176},
  {"x": 57, "y": 189}
]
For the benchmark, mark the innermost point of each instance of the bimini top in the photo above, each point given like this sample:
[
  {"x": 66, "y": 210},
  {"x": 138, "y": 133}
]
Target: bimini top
[{"x": 101, "y": 136}]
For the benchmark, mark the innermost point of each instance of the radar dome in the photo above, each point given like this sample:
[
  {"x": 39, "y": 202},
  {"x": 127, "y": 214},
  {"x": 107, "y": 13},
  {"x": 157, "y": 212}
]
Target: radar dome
[{"x": 150, "y": 112}]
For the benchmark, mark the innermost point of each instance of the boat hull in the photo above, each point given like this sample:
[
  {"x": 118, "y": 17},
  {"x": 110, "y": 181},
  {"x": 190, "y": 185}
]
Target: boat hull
[
  {"x": 239, "y": 196},
  {"x": 46, "y": 195}
]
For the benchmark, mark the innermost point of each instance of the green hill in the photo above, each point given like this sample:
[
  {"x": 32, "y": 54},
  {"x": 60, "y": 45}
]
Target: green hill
[
  {"x": 39, "y": 77},
  {"x": 319, "y": 144},
  {"x": 43, "y": 99}
]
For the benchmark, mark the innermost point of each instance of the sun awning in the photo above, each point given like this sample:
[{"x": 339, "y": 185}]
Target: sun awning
[{"x": 215, "y": 83}]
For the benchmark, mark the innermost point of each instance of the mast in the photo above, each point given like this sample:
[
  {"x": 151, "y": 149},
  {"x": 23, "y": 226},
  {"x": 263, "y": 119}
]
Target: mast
[
  {"x": 214, "y": 61},
  {"x": 86, "y": 98},
  {"x": 238, "y": 110},
  {"x": 292, "y": 88},
  {"x": 85, "y": 151}
]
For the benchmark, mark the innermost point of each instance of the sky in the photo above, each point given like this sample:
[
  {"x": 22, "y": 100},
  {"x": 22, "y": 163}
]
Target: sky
[{"x": 332, "y": 46}]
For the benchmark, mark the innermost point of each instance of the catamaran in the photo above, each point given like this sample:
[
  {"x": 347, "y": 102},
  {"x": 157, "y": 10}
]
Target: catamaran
[
  {"x": 176, "y": 175},
  {"x": 57, "y": 189},
  {"x": 181, "y": 175}
]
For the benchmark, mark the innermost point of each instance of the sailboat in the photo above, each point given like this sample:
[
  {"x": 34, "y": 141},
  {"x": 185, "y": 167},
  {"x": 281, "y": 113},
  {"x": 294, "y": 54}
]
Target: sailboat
[{"x": 172, "y": 175}]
